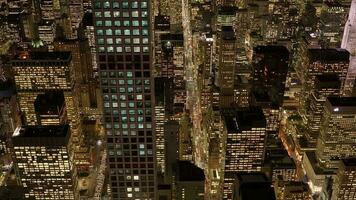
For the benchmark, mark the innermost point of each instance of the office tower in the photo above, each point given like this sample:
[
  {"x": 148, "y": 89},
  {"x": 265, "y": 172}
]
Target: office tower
[
  {"x": 12, "y": 27},
  {"x": 270, "y": 68},
  {"x": 39, "y": 72},
  {"x": 169, "y": 59},
  {"x": 189, "y": 181},
  {"x": 47, "y": 32},
  {"x": 325, "y": 85},
  {"x": 245, "y": 143},
  {"x": 344, "y": 184},
  {"x": 171, "y": 133},
  {"x": 280, "y": 165},
  {"x": 160, "y": 119},
  {"x": 270, "y": 108},
  {"x": 227, "y": 64},
  {"x": 124, "y": 59},
  {"x": 76, "y": 13},
  {"x": 50, "y": 108},
  {"x": 161, "y": 56},
  {"x": 171, "y": 9},
  {"x": 36, "y": 73},
  {"x": 332, "y": 22},
  {"x": 43, "y": 161},
  {"x": 207, "y": 70},
  {"x": 9, "y": 109},
  {"x": 84, "y": 75},
  {"x": 338, "y": 131},
  {"x": 290, "y": 190},
  {"x": 185, "y": 151},
  {"x": 252, "y": 186},
  {"x": 321, "y": 61},
  {"x": 9, "y": 120}
]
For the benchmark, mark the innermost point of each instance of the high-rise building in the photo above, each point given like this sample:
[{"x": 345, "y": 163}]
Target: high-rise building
[
  {"x": 270, "y": 68},
  {"x": 189, "y": 181},
  {"x": 252, "y": 186},
  {"x": 332, "y": 22},
  {"x": 291, "y": 190},
  {"x": 39, "y": 72},
  {"x": 245, "y": 143},
  {"x": 344, "y": 187},
  {"x": 123, "y": 35},
  {"x": 321, "y": 61},
  {"x": 160, "y": 119},
  {"x": 35, "y": 74},
  {"x": 47, "y": 32},
  {"x": 171, "y": 131},
  {"x": 43, "y": 161},
  {"x": 337, "y": 139},
  {"x": 84, "y": 75},
  {"x": 227, "y": 65},
  {"x": 325, "y": 85}
]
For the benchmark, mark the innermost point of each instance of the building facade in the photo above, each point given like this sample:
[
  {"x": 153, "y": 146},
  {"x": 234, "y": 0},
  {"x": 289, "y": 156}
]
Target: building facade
[
  {"x": 44, "y": 165},
  {"x": 123, "y": 34}
]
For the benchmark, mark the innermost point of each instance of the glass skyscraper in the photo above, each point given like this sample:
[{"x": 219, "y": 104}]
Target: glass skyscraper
[{"x": 122, "y": 31}]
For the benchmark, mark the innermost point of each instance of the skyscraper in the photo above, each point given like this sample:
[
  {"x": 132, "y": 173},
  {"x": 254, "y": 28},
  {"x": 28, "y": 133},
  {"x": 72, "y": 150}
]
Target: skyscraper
[
  {"x": 245, "y": 144},
  {"x": 122, "y": 31},
  {"x": 337, "y": 139},
  {"x": 325, "y": 85},
  {"x": 36, "y": 73},
  {"x": 227, "y": 64},
  {"x": 43, "y": 161},
  {"x": 344, "y": 186}
]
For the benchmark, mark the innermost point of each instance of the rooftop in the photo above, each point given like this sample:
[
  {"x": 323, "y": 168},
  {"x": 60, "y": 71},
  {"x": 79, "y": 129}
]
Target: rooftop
[
  {"x": 43, "y": 56},
  {"x": 342, "y": 101},
  {"x": 350, "y": 162},
  {"x": 88, "y": 19},
  {"x": 37, "y": 135},
  {"x": 227, "y": 33},
  {"x": 189, "y": 172},
  {"x": 330, "y": 80},
  {"x": 57, "y": 102},
  {"x": 282, "y": 51},
  {"x": 41, "y": 131},
  {"x": 254, "y": 186},
  {"x": 251, "y": 177},
  {"x": 245, "y": 119},
  {"x": 227, "y": 10},
  {"x": 329, "y": 55},
  {"x": 7, "y": 88}
]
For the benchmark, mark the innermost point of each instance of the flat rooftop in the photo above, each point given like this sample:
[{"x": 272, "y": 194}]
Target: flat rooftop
[
  {"x": 252, "y": 177},
  {"x": 245, "y": 119},
  {"x": 342, "y": 101},
  {"x": 42, "y": 105},
  {"x": 41, "y": 131},
  {"x": 227, "y": 33},
  {"x": 350, "y": 162},
  {"x": 329, "y": 55},
  {"x": 330, "y": 80},
  {"x": 189, "y": 172},
  {"x": 37, "y": 135},
  {"x": 57, "y": 56},
  {"x": 282, "y": 51},
  {"x": 254, "y": 186},
  {"x": 7, "y": 89}
]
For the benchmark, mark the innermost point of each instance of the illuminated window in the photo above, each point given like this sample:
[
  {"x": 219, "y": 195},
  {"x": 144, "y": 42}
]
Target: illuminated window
[{"x": 107, "y": 14}]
